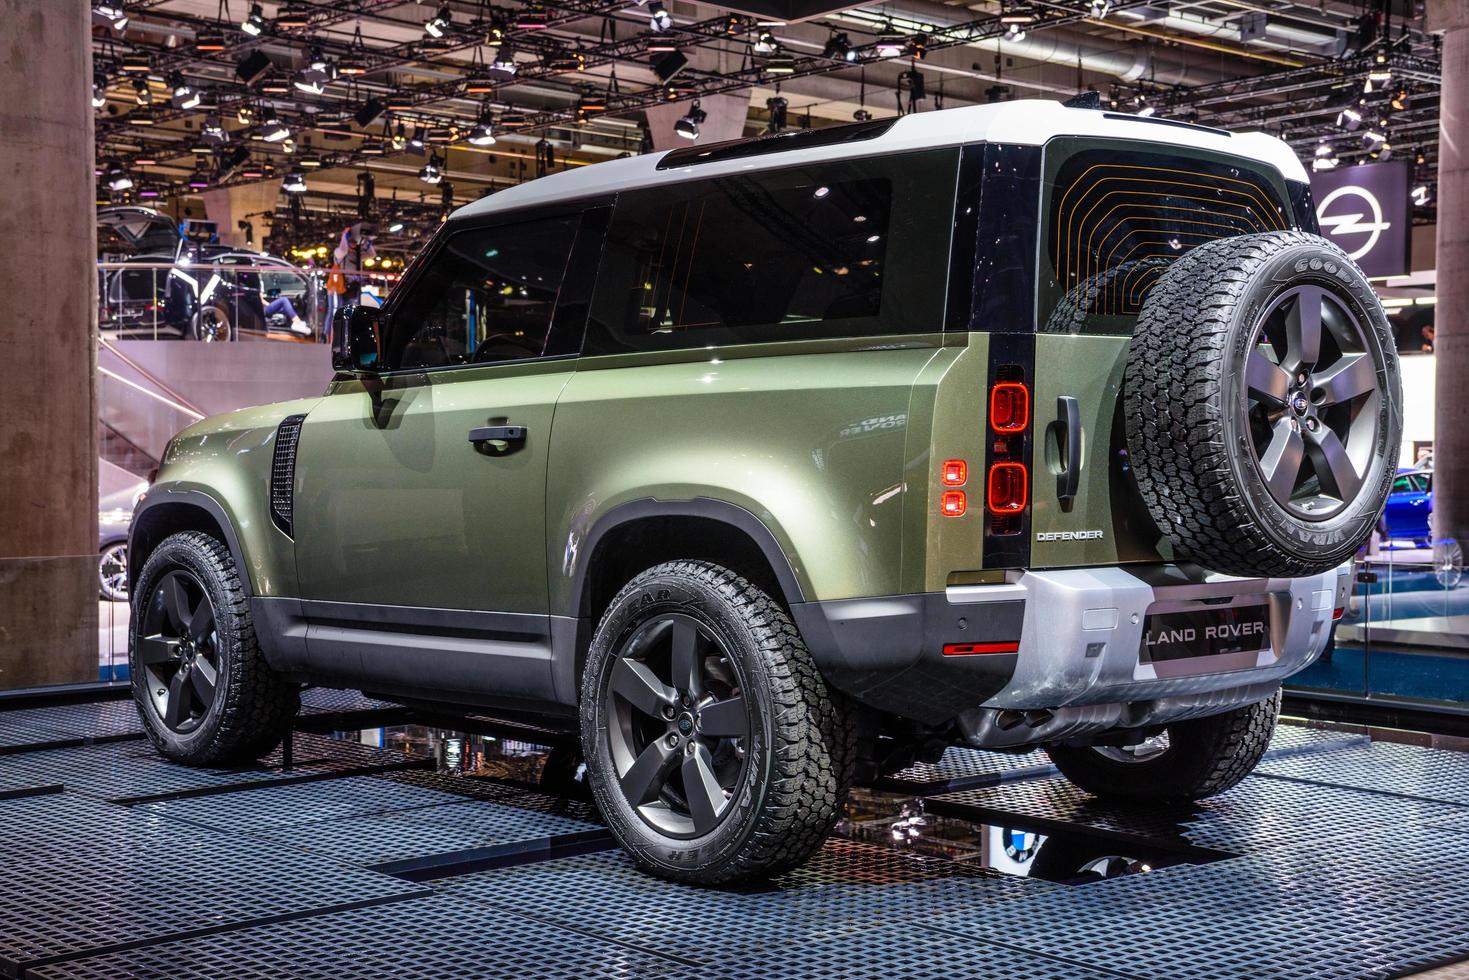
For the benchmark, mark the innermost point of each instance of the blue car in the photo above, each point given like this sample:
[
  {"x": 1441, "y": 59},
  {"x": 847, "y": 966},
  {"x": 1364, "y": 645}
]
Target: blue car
[{"x": 1409, "y": 506}]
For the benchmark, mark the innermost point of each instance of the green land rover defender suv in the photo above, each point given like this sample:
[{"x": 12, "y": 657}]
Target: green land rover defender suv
[{"x": 784, "y": 462}]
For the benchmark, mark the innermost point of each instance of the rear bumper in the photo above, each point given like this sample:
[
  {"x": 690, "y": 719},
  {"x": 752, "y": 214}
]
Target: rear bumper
[{"x": 1079, "y": 639}]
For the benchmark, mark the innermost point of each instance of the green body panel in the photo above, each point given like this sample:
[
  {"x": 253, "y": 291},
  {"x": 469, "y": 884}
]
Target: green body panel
[
  {"x": 1090, "y": 369},
  {"x": 809, "y": 438},
  {"x": 227, "y": 458},
  {"x": 395, "y": 506},
  {"x": 950, "y": 399}
]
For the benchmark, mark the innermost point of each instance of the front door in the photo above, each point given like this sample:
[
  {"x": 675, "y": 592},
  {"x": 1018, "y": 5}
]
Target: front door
[{"x": 420, "y": 495}]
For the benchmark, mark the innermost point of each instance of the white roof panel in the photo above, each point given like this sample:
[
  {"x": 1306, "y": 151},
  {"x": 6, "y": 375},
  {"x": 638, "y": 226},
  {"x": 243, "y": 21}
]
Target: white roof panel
[{"x": 1026, "y": 122}]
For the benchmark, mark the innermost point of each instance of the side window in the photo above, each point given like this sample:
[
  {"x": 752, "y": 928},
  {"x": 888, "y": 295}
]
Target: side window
[
  {"x": 1117, "y": 214},
  {"x": 487, "y": 295},
  {"x": 292, "y": 285},
  {"x": 847, "y": 249}
]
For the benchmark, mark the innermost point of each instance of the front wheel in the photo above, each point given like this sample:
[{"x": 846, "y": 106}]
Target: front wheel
[
  {"x": 202, "y": 685},
  {"x": 715, "y": 750},
  {"x": 1188, "y": 761}
]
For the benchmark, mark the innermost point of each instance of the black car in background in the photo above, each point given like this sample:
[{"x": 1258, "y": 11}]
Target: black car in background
[{"x": 156, "y": 283}]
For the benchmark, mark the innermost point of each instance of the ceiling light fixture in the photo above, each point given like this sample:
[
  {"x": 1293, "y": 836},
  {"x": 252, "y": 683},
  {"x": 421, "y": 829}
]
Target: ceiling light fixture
[
  {"x": 117, "y": 178},
  {"x": 274, "y": 131},
  {"x": 659, "y": 19},
  {"x": 254, "y": 22},
  {"x": 114, "y": 14},
  {"x": 438, "y": 25},
  {"x": 433, "y": 171},
  {"x": 294, "y": 183},
  {"x": 688, "y": 126}
]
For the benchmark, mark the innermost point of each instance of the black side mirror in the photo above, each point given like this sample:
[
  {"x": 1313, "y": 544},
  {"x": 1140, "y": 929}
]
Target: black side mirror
[{"x": 357, "y": 340}]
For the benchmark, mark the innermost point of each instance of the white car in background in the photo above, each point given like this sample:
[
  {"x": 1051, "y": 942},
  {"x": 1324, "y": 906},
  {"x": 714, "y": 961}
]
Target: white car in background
[{"x": 114, "y": 517}]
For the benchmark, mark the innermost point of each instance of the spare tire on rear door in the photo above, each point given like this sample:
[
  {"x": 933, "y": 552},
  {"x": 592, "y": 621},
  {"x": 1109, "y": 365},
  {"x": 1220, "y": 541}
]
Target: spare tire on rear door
[{"x": 1263, "y": 405}]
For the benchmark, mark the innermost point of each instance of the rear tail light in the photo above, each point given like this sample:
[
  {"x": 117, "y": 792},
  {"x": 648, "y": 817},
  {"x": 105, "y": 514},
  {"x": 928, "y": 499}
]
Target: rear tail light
[
  {"x": 955, "y": 473},
  {"x": 1338, "y": 612},
  {"x": 1009, "y": 407},
  {"x": 954, "y": 503},
  {"x": 1007, "y": 490}
]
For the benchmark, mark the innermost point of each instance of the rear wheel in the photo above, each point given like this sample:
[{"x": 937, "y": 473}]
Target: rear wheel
[
  {"x": 212, "y": 325},
  {"x": 715, "y": 751},
  {"x": 202, "y": 685},
  {"x": 1188, "y": 761}
]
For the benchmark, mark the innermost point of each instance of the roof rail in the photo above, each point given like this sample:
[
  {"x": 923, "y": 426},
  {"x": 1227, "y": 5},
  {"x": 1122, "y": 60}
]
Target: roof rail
[{"x": 792, "y": 139}]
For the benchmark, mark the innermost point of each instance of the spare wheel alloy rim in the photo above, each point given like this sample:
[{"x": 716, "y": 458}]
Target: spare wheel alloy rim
[{"x": 1312, "y": 401}]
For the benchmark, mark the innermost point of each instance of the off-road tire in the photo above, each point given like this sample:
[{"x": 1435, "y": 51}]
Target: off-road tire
[
  {"x": 1186, "y": 442},
  {"x": 1205, "y": 756},
  {"x": 253, "y": 706},
  {"x": 801, "y": 753}
]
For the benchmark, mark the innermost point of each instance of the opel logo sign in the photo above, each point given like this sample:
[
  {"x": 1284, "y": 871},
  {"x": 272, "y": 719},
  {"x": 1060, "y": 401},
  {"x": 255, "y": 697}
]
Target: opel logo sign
[{"x": 1353, "y": 217}]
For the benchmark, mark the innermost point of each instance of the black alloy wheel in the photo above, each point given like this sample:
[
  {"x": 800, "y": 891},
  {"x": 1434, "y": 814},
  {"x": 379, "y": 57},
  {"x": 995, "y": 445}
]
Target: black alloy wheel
[
  {"x": 1312, "y": 402},
  {"x": 679, "y": 725},
  {"x": 178, "y": 651}
]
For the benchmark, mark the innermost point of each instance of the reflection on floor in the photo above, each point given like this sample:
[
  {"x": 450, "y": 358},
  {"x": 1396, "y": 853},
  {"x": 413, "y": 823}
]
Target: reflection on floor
[{"x": 383, "y": 846}]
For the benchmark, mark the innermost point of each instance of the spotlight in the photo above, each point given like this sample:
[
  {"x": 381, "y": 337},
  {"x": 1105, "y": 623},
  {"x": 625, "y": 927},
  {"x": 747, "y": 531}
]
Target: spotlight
[
  {"x": 294, "y": 183},
  {"x": 1349, "y": 118},
  {"x": 254, "y": 22},
  {"x": 1419, "y": 157},
  {"x": 765, "y": 43},
  {"x": 482, "y": 134},
  {"x": 395, "y": 226},
  {"x": 1015, "y": 31},
  {"x": 1100, "y": 9},
  {"x": 213, "y": 132},
  {"x": 688, "y": 126},
  {"x": 99, "y": 91},
  {"x": 1399, "y": 100},
  {"x": 438, "y": 24},
  {"x": 889, "y": 44},
  {"x": 502, "y": 66},
  {"x": 1421, "y": 195},
  {"x": 114, "y": 14},
  {"x": 184, "y": 95},
  {"x": 1325, "y": 157},
  {"x": 274, "y": 131},
  {"x": 318, "y": 72},
  {"x": 659, "y": 19},
  {"x": 839, "y": 48},
  {"x": 142, "y": 95},
  {"x": 293, "y": 15},
  {"x": 433, "y": 171},
  {"x": 117, "y": 178},
  {"x": 777, "y": 105}
]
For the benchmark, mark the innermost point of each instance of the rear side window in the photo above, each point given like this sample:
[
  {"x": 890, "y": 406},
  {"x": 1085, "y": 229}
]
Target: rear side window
[
  {"x": 848, "y": 249},
  {"x": 1116, "y": 216}
]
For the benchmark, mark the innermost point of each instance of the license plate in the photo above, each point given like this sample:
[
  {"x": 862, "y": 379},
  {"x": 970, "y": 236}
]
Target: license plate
[{"x": 1206, "y": 632}]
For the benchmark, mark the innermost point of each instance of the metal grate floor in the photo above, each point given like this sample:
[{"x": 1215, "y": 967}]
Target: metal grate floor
[
  {"x": 428, "y": 938},
  {"x": 130, "y": 772},
  {"x": 963, "y": 768},
  {"x": 1342, "y": 860}
]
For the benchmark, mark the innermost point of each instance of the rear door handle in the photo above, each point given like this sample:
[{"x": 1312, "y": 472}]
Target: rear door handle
[
  {"x": 1067, "y": 428},
  {"x": 497, "y": 433}
]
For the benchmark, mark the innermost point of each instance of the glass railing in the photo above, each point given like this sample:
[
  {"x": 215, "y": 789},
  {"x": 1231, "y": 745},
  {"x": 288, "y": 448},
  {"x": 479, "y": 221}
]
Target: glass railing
[
  {"x": 1405, "y": 633},
  {"x": 211, "y": 302}
]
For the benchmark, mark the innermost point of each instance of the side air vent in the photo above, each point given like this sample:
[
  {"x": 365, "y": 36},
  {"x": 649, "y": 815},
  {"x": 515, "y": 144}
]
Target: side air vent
[{"x": 283, "y": 471}]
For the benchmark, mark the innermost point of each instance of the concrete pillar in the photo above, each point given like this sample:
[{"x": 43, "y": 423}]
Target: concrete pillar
[
  {"x": 724, "y": 119},
  {"x": 1451, "y": 318},
  {"x": 228, "y": 206},
  {"x": 48, "y": 429}
]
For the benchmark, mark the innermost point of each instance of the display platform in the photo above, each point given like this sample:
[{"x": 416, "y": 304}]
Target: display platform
[{"x": 1341, "y": 857}]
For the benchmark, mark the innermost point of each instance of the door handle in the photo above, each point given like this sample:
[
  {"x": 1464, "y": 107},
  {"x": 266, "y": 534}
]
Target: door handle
[
  {"x": 1067, "y": 430},
  {"x": 497, "y": 433}
]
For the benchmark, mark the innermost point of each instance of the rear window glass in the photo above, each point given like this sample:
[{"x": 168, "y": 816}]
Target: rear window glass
[
  {"x": 1115, "y": 217},
  {"x": 845, "y": 249}
]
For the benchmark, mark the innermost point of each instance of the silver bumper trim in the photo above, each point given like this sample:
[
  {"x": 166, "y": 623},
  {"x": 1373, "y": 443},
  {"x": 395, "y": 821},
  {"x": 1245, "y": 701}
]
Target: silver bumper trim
[{"x": 1083, "y": 634}]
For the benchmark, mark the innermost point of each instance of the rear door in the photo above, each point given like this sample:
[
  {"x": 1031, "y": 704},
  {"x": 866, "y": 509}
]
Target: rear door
[{"x": 1114, "y": 215}]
